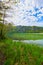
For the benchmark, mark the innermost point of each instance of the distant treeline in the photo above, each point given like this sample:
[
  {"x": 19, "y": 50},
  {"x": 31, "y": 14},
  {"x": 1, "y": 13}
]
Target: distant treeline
[{"x": 27, "y": 29}]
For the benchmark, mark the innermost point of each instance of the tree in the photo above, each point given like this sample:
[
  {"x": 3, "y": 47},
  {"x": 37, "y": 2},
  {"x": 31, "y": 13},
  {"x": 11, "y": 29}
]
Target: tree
[{"x": 4, "y": 6}]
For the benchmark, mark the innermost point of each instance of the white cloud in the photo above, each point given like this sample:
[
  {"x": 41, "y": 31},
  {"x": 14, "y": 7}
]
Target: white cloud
[
  {"x": 23, "y": 12},
  {"x": 40, "y": 15}
]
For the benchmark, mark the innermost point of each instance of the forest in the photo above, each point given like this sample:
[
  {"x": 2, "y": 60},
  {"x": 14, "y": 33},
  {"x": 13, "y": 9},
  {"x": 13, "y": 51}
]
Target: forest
[{"x": 27, "y": 29}]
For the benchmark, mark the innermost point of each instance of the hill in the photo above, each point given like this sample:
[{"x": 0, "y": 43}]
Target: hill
[{"x": 27, "y": 29}]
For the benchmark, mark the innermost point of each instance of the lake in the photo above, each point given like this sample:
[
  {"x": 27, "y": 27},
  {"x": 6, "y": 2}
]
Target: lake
[{"x": 31, "y": 41}]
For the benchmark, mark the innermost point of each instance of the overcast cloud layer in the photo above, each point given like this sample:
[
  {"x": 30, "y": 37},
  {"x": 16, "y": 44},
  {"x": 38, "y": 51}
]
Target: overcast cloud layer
[{"x": 28, "y": 13}]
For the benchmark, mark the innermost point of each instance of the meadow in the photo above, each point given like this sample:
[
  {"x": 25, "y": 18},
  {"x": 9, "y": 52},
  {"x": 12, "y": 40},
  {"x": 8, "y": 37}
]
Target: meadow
[
  {"x": 26, "y": 36},
  {"x": 17, "y": 53}
]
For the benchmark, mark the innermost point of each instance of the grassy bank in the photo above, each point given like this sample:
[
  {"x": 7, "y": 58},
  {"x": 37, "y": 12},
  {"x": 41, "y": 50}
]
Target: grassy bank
[
  {"x": 17, "y": 53},
  {"x": 26, "y": 36}
]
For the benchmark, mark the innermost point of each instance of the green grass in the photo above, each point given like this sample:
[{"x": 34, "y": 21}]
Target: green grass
[
  {"x": 27, "y": 36},
  {"x": 17, "y": 53}
]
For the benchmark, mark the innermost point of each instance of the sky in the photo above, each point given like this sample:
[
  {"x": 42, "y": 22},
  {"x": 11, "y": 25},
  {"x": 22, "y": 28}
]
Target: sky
[{"x": 27, "y": 13}]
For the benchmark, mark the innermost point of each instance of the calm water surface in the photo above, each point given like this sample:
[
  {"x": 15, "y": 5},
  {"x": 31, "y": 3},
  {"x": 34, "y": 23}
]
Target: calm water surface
[{"x": 31, "y": 41}]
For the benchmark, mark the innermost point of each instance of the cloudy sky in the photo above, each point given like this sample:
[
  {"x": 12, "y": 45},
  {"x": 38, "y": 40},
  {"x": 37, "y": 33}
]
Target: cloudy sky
[{"x": 28, "y": 13}]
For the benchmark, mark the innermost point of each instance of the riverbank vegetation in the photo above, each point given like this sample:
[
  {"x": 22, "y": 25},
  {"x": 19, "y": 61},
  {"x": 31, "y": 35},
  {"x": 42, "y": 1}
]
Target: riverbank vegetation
[{"x": 18, "y": 53}]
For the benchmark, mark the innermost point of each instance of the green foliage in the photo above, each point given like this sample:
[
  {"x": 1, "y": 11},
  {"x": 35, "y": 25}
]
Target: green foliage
[
  {"x": 27, "y": 29},
  {"x": 17, "y": 53},
  {"x": 2, "y": 30},
  {"x": 26, "y": 36},
  {"x": 4, "y": 6}
]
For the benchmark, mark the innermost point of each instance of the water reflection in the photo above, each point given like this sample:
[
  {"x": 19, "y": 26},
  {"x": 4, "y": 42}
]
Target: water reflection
[{"x": 31, "y": 41}]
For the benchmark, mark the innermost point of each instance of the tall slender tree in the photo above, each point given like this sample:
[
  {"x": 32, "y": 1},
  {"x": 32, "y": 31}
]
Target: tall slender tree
[{"x": 4, "y": 6}]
